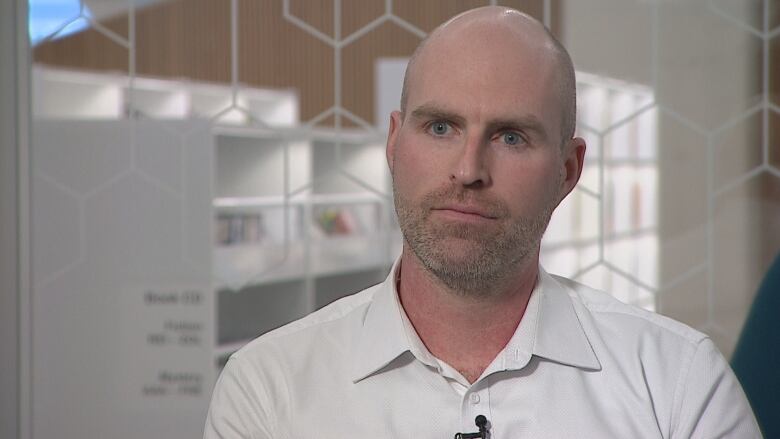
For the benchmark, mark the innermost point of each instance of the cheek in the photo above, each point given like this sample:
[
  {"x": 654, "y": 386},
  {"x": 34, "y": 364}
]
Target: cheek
[
  {"x": 528, "y": 185},
  {"x": 415, "y": 166}
]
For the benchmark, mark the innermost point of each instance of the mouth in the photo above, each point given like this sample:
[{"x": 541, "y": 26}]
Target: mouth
[{"x": 464, "y": 212}]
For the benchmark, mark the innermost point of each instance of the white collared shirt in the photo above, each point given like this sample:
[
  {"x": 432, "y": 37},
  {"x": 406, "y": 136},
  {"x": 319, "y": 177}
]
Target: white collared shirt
[{"x": 580, "y": 364}]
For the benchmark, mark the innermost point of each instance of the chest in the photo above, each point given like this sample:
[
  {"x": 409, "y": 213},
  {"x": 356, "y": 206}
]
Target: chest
[{"x": 416, "y": 401}]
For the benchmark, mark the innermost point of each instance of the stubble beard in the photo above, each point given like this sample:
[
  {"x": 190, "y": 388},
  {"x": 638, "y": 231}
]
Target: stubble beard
[{"x": 493, "y": 253}]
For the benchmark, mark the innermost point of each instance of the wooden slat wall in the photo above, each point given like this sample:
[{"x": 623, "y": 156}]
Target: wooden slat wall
[
  {"x": 191, "y": 39},
  {"x": 774, "y": 95},
  {"x": 771, "y": 190}
]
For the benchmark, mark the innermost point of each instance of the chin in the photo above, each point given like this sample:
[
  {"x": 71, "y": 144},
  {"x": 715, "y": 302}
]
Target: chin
[{"x": 460, "y": 256}]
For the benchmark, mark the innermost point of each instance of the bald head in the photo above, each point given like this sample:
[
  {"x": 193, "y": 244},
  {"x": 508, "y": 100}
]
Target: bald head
[{"x": 506, "y": 26}]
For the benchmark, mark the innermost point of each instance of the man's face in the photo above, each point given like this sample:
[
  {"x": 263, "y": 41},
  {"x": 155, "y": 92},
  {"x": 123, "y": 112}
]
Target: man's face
[{"x": 476, "y": 159}]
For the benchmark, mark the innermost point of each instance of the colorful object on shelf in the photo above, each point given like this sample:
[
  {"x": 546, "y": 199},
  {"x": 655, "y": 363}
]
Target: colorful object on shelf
[{"x": 337, "y": 221}]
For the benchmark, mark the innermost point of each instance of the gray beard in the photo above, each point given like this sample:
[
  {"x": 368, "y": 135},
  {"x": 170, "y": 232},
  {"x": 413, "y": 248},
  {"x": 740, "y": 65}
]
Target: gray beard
[{"x": 496, "y": 253}]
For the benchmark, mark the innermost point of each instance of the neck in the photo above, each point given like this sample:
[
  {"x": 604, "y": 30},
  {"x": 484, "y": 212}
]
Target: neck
[{"x": 465, "y": 331}]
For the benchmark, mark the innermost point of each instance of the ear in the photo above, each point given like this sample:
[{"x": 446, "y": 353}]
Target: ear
[
  {"x": 573, "y": 159},
  {"x": 396, "y": 119}
]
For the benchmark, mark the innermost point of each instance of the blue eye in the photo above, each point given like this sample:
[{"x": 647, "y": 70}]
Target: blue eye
[
  {"x": 439, "y": 128},
  {"x": 511, "y": 138}
]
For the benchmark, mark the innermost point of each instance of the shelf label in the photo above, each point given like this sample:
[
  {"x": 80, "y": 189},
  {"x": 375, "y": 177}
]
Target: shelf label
[{"x": 168, "y": 333}]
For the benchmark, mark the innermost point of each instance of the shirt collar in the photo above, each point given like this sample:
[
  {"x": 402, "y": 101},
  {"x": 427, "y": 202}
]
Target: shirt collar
[
  {"x": 549, "y": 329},
  {"x": 383, "y": 336}
]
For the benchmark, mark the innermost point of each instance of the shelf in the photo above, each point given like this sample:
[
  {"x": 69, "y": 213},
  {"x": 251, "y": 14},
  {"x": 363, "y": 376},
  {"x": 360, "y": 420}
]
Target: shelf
[
  {"x": 226, "y": 203},
  {"x": 315, "y": 250},
  {"x": 351, "y": 136},
  {"x": 71, "y": 94},
  {"x": 241, "y": 265},
  {"x": 334, "y": 255}
]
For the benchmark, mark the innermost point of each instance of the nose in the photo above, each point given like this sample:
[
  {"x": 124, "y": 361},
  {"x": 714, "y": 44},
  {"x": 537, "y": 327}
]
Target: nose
[{"x": 471, "y": 166}]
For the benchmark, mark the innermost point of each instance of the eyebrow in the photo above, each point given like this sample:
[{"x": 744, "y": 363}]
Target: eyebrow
[
  {"x": 523, "y": 123},
  {"x": 430, "y": 111}
]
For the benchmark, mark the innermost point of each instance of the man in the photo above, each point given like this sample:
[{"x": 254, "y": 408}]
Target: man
[{"x": 467, "y": 323}]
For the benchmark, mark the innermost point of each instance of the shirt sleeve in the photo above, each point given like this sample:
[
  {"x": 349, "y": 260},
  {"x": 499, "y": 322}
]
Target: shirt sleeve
[
  {"x": 239, "y": 407},
  {"x": 710, "y": 401}
]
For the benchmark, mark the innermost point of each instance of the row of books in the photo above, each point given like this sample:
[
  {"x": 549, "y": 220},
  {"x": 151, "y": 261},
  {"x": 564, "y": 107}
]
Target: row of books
[
  {"x": 253, "y": 228},
  {"x": 243, "y": 228}
]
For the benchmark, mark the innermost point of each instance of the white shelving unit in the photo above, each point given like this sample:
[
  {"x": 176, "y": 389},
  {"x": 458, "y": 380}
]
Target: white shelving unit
[
  {"x": 275, "y": 258},
  {"x": 66, "y": 94},
  {"x": 302, "y": 215},
  {"x": 331, "y": 236}
]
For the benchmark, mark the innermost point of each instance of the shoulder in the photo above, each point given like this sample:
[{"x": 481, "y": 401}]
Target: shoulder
[
  {"x": 606, "y": 314},
  {"x": 328, "y": 329},
  {"x": 254, "y": 389},
  {"x": 676, "y": 368}
]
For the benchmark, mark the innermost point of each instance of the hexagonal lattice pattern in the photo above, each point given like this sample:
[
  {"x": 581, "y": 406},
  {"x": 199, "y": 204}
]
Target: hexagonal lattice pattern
[
  {"x": 737, "y": 148},
  {"x": 108, "y": 37},
  {"x": 61, "y": 149},
  {"x": 680, "y": 86},
  {"x": 712, "y": 164},
  {"x": 747, "y": 14},
  {"x": 772, "y": 148},
  {"x": 627, "y": 31},
  {"x": 57, "y": 244},
  {"x": 159, "y": 155},
  {"x": 751, "y": 205},
  {"x": 123, "y": 250}
]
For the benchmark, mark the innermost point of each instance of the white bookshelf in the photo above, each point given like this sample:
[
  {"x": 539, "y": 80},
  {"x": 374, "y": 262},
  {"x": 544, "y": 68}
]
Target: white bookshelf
[
  {"x": 295, "y": 264},
  {"x": 328, "y": 238},
  {"x": 267, "y": 166},
  {"x": 67, "y": 94}
]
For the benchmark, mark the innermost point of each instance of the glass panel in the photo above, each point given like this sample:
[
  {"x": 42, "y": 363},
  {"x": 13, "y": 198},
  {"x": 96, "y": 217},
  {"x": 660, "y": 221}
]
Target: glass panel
[
  {"x": 612, "y": 38},
  {"x": 683, "y": 300},
  {"x": 747, "y": 13},
  {"x": 739, "y": 262},
  {"x": 360, "y": 59},
  {"x": 694, "y": 79},
  {"x": 81, "y": 36},
  {"x": 737, "y": 149},
  {"x": 279, "y": 53},
  {"x": 205, "y": 171},
  {"x": 774, "y": 67},
  {"x": 774, "y": 139},
  {"x": 48, "y": 19}
]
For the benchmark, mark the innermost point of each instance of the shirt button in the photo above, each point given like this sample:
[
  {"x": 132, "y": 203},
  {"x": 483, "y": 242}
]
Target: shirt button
[{"x": 474, "y": 398}]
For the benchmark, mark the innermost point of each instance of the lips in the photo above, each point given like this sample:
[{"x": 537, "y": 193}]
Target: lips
[
  {"x": 456, "y": 204},
  {"x": 466, "y": 211}
]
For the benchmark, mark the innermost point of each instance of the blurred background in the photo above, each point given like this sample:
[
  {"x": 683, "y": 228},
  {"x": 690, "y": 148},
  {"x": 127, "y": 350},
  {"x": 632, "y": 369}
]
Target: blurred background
[{"x": 194, "y": 173}]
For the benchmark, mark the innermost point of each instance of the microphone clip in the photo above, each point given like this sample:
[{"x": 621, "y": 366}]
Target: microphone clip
[{"x": 481, "y": 422}]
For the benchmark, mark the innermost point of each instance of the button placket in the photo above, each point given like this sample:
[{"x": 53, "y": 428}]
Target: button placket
[{"x": 474, "y": 403}]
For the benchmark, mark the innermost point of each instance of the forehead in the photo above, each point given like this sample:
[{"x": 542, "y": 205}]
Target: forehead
[{"x": 487, "y": 71}]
